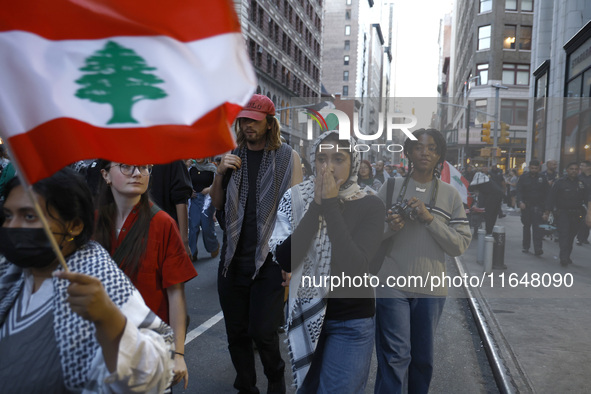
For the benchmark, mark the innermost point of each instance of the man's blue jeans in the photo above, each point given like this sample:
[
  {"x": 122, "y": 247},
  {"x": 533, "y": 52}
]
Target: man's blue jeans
[
  {"x": 201, "y": 218},
  {"x": 405, "y": 332},
  {"x": 342, "y": 358}
]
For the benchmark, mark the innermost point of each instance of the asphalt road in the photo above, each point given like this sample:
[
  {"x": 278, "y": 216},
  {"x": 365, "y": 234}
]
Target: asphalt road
[{"x": 460, "y": 361}]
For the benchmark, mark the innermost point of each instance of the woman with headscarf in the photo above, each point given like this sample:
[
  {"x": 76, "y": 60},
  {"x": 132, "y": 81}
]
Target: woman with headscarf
[
  {"x": 328, "y": 228},
  {"x": 365, "y": 177}
]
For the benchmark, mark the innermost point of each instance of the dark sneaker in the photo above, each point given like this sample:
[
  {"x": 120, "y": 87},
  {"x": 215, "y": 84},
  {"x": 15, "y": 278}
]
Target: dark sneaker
[
  {"x": 579, "y": 243},
  {"x": 277, "y": 387},
  {"x": 539, "y": 252},
  {"x": 194, "y": 257},
  {"x": 564, "y": 263},
  {"x": 524, "y": 250},
  {"x": 586, "y": 242}
]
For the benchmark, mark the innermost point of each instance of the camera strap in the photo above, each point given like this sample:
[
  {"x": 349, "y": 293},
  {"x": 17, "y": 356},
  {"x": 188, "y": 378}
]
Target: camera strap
[{"x": 433, "y": 192}]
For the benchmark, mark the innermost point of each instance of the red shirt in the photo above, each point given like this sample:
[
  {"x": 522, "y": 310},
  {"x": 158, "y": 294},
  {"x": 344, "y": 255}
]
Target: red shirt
[{"x": 164, "y": 264}]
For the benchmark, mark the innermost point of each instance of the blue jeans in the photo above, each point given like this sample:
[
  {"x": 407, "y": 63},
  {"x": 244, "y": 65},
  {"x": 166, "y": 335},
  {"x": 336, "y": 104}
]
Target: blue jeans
[
  {"x": 342, "y": 358},
  {"x": 405, "y": 334},
  {"x": 201, "y": 218}
]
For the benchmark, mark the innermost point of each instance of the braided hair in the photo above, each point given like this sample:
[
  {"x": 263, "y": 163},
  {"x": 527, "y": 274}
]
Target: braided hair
[{"x": 439, "y": 142}]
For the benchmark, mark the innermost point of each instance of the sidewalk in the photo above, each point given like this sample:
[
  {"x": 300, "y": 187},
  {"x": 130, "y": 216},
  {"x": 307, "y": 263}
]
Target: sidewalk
[{"x": 544, "y": 333}]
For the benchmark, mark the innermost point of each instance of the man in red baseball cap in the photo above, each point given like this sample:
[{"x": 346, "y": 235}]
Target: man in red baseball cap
[{"x": 246, "y": 191}]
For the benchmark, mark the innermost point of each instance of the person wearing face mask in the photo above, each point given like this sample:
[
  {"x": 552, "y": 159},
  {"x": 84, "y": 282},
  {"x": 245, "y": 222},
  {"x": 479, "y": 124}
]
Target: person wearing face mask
[
  {"x": 329, "y": 226},
  {"x": 84, "y": 330},
  {"x": 145, "y": 242}
]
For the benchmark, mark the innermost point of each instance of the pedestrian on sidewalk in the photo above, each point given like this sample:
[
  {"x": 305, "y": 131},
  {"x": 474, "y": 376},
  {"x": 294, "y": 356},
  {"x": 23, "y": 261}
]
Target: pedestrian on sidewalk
[
  {"x": 201, "y": 210},
  {"x": 568, "y": 198},
  {"x": 532, "y": 193},
  {"x": 490, "y": 197},
  {"x": 246, "y": 190},
  {"x": 585, "y": 177},
  {"x": 407, "y": 314},
  {"x": 551, "y": 172}
]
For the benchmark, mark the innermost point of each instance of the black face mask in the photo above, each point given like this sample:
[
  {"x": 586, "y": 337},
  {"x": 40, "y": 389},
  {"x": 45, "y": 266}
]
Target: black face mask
[{"x": 26, "y": 247}]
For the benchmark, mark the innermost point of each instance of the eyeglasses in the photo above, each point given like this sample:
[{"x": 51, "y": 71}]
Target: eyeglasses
[{"x": 128, "y": 170}]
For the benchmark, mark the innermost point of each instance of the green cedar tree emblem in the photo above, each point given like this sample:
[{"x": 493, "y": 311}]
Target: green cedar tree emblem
[{"x": 118, "y": 76}]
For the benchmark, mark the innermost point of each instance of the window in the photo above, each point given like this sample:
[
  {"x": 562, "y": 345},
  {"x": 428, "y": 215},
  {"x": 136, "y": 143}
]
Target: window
[
  {"x": 480, "y": 116},
  {"x": 347, "y": 14},
  {"x": 347, "y": 45},
  {"x": 346, "y": 60},
  {"x": 485, "y": 5},
  {"x": 348, "y": 2},
  {"x": 525, "y": 38},
  {"x": 511, "y": 5},
  {"x": 509, "y": 37},
  {"x": 515, "y": 74},
  {"x": 482, "y": 72},
  {"x": 514, "y": 112},
  {"x": 527, "y": 5},
  {"x": 483, "y": 37},
  {"x": 348, "y": 30},
  {"x": 345, "y": 90},
  {"x": 345, "y": 75}
]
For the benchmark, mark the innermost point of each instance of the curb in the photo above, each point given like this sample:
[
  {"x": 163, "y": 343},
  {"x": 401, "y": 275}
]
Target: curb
[{"x": 509, "y": 375}]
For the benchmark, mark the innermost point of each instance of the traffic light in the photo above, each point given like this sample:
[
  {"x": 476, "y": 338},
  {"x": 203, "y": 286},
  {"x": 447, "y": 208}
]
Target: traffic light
[
  {"x": 485, "y": 134},
  {"x": 504, "y": 139}
]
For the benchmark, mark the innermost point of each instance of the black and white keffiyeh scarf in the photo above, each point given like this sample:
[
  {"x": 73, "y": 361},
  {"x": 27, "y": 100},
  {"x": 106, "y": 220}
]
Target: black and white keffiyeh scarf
[
  {"x": 274, "y": 179},
  {"x": 75, "y": 337},
  {"x": 307, "y": 305}
]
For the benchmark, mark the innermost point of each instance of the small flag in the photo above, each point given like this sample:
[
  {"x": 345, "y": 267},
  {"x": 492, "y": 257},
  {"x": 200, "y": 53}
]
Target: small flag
[
  {"x": 140, "y": 82},
  {"x": 449, "y": 174}
]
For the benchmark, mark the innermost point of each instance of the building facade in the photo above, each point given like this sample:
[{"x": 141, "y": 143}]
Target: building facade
[
  {"x": 284, "y": 41},
  {"x": 560, "y": 116},
  {"x": 490, "y": 72}
]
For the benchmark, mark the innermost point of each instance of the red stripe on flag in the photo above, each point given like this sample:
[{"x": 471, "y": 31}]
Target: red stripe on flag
[
  {"x": 60, "y": 142},
  {"x": 184, "y": 20}
]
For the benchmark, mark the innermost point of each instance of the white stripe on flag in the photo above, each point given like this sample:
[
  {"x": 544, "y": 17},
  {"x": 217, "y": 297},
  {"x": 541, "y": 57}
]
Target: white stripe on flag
[{"x": 198, "y": 77}]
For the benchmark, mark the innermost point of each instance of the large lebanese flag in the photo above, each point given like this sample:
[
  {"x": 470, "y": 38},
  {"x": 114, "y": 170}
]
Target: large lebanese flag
[
  {"x": 449, "y": 174},
  {"x": 134, "y": 81}
]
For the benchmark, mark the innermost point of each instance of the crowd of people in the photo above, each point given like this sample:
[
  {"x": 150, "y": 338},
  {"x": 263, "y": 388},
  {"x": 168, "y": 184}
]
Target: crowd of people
[
  {"x": 541, "y": 197},
  {"x": 129, "y": 236}
]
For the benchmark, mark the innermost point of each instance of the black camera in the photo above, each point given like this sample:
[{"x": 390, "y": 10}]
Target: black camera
[{"x": 403, "y": 209}]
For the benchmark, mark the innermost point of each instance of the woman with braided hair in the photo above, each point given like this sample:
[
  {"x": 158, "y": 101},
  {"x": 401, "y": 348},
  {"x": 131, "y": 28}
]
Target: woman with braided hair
[{"x": 426, "y": 222}]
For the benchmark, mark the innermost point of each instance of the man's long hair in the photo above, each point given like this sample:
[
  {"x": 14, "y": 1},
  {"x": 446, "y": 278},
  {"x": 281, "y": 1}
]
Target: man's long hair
[{"x": 273, "y": 134}]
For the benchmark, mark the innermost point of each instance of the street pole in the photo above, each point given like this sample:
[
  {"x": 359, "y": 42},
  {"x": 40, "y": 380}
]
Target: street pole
[
  {"x": 467, "y": 135},
  {"x": 497, "y": 112}
]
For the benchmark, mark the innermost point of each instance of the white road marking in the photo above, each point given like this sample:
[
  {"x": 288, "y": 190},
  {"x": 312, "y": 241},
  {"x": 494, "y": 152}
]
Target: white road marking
[{"x": 203, "y": 327}]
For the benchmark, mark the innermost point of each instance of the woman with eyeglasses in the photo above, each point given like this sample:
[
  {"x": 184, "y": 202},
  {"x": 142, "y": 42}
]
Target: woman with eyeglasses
[{"x": 146, "y": 244}]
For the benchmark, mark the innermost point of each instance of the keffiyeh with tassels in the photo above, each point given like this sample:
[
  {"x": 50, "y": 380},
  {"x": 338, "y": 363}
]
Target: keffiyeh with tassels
[
  {"x": 274, "y": 178},
  {"x": 307, "y": 305},
  {"x": 80, "y": 356}
]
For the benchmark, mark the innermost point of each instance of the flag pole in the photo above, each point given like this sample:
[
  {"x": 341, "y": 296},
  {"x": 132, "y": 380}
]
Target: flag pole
[{"x": 29, "y": 191}]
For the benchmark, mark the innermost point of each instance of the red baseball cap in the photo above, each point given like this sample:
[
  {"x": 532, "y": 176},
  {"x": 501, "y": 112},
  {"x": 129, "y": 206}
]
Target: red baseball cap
[{"x": 257, "y": 108}]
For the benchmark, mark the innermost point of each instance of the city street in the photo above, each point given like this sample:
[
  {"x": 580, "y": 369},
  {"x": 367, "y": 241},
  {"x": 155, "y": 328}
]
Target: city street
[
  {"x": 541, "y": 329},
  {"x": 460, "y": 362}
]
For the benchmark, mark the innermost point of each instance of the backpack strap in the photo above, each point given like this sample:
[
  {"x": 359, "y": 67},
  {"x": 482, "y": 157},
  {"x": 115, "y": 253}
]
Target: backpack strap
[{"x": 390, "y": 182}]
